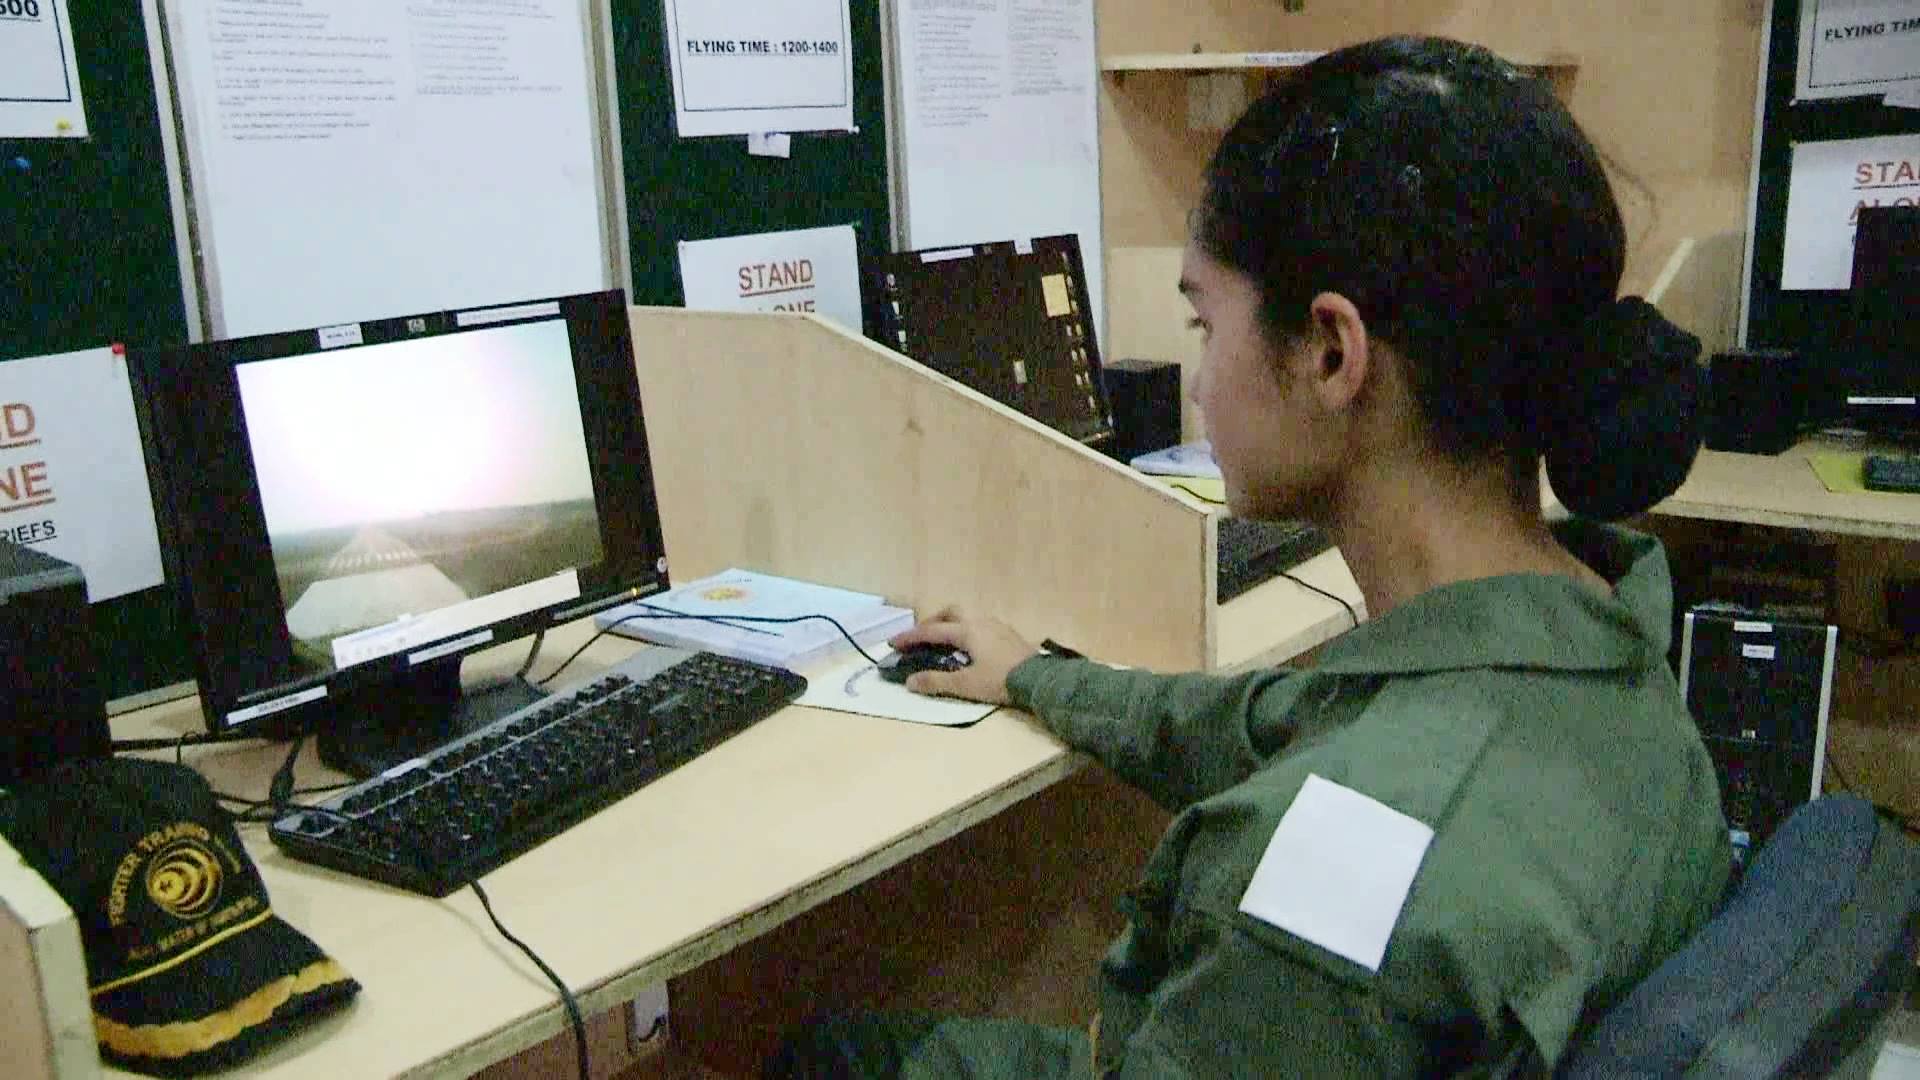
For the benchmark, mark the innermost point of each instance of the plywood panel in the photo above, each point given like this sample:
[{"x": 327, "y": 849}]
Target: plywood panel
[
  {"x": 1782, "y": 490},
  {"x": 46, "y": 1021},
  {"x": 1147, "y": 318},
  {"x": 786, "y": 445},
  {"x": 1699, "y": 288},
  {"x": 1665, "y": 90}
]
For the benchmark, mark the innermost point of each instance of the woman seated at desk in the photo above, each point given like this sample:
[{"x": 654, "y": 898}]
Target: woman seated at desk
[{"x": 1485, "y": 814}]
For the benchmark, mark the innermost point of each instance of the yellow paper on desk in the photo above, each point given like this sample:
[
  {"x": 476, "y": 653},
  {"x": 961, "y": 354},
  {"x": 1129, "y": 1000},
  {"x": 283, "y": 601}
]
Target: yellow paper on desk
[
  {"x": 1205, "y": 488},
  {"x": 1843, "y": 474}
]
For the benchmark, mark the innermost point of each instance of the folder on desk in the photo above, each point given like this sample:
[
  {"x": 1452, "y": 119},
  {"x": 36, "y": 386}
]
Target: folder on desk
[
  {"x": 1187, "y": 459},
  {"x": 718, "y": 614}
]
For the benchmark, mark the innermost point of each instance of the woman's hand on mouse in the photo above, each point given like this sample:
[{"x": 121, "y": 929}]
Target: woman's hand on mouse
[{"x": 995, "y": 647}]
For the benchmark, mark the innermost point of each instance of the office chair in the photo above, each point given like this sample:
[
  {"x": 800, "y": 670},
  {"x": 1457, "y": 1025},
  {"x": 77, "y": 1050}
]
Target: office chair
[{"x": 1796, "y": 976}]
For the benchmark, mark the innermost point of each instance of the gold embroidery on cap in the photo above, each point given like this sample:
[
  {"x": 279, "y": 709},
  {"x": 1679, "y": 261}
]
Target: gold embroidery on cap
[
  {"x": 184, "y": 879},
  {"x": 178, "y": 1040}
]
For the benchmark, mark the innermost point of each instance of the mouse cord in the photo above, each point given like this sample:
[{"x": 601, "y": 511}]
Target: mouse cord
[
  {"x": 566, "y": 996},
  {"x": 574, "y": 1018},
  {"x": 533, "y": 653},
  {"x": 1351, "y": 614},
  {"x": 724, "y": 620}
]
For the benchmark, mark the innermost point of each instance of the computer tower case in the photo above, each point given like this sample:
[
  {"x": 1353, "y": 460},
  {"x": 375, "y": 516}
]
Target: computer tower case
[
  {"x": 1760, "y": 689},
  {"x": 1145, "y": 395},
  {"x": 52, "y": 705}
]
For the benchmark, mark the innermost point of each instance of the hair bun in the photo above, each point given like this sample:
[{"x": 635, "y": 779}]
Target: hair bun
[{"x": 1627, "y": 440}]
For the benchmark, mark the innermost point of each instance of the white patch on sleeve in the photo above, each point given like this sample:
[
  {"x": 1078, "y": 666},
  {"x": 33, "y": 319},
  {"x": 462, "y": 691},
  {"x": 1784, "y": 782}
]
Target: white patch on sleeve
[{"x": 1338, "y": 870}]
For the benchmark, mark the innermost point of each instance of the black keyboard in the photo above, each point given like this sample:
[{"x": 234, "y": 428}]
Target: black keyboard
[
  {"x": 1251, "y": 551},
  {"x": 1892, "y": 472},
  {"x": 441, "y": 820}
]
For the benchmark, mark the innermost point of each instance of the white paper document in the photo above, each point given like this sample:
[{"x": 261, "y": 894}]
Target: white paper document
[
  {"x": 366, "y": 159},
  {"x": 73, "y": 479},
  {"x": 39, "y": 79},
  {"x": 851, "y": 684},
  {"x": 718, "y": 613},
  {"x": 1853, "y": 48},
  {"x": 1338, "y": 870},
  {"x": 1187, "y": 459},
  {"x": 999, "y": 125},
  {"x": 1829, "y": 184},
  {"x": 804, "y": 270},
  {"x": 744, "y": 67}
]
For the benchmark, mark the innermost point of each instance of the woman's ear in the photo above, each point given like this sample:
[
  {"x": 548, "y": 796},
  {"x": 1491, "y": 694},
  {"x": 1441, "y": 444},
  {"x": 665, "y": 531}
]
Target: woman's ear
[{"x": 1341, "y": 357}]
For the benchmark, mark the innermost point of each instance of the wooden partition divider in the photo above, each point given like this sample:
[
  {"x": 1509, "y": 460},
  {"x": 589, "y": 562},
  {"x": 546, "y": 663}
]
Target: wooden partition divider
[
  {"x": 46, "y": 1021},
  {"x": 1699, "y": 288},
  {"x": 788, "y": 445}
]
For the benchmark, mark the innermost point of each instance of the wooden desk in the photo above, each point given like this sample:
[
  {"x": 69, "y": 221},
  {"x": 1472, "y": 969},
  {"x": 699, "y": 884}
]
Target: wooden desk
[
  {"x": 1277, "y": 620},
  {"x": 1783, "y": 491},
  {"x": 800, "y": 808},
  {"x": 804, "y": 805}
]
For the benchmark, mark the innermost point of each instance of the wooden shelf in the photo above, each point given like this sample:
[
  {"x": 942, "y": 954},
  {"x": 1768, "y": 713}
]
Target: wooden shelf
[{"x": 1201, "y": 63}]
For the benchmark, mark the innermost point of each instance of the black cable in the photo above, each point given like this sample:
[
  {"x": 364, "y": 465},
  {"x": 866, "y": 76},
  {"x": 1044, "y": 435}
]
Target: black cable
[
  {"x": 572, "y": 1004},
  {"x": 177, "y": 742},
  {"x": 280, "y": 788},
  {"x": 1351, "y": 614},
  {"x": 566, "y": 995},
  {"x": 721, "y": 619},
  {"x": 1196, "y": 494},
  {"x": 533, "y": 653}
]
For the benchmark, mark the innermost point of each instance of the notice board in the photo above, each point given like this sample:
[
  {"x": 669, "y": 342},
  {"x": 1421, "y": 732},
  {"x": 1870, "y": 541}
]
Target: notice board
[
  {"x": 704, "y": 188},
  {"x": 88, "y": 257}
]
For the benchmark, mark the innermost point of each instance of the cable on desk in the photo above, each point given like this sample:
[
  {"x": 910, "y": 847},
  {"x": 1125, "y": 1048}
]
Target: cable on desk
[
  {"x": 566, "y": 995},
  {"x": 1351, "y": 614},
  {"x": 533, "y": 653},
  {"x": 721, "y": 619},
  {"x": 572, "y": 1004},
  {"x": 179, "y": 742},
  {"x": 1196, "y": 494}
]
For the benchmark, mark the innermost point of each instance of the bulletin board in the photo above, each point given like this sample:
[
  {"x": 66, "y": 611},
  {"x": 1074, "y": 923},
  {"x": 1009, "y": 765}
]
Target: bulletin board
[
  {"x": 1775, "y": 317},
  {"x": 86, "y": 228},
  {"x": 699, "y": 189}
]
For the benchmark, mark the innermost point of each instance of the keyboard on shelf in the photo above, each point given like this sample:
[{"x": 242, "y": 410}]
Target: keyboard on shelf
[
  {"x": 435, "y": 823},
  {"x": 1250, "y": 551}
]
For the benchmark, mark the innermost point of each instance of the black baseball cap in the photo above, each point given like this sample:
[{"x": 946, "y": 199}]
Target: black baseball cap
[{"x": 188, "y": 967}]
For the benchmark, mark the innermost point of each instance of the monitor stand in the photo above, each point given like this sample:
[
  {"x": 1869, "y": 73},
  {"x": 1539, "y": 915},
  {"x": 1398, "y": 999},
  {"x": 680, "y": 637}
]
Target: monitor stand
[{"x": 379, "y": 726}]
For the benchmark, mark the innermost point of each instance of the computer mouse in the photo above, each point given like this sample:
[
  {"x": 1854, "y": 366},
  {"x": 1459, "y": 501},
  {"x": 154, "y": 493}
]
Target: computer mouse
[{"x": 915, "y": 658}]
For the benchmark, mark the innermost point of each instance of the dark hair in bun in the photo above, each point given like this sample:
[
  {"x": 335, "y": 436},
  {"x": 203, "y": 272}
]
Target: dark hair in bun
[{"x": 1454, "y": 200}]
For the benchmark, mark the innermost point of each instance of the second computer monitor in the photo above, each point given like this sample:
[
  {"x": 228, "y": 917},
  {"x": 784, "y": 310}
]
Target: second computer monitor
[{"x": 1011, "y": 320}]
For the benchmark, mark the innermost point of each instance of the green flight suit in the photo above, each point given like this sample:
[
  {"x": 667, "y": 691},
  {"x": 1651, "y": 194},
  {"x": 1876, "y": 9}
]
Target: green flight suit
[{"x": 1533, "y": 724}]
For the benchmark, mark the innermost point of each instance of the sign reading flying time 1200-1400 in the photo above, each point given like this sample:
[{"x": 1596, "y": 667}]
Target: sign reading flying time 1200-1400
[
  {"x": 763, "y": 48},
  {"x": 751, "y": 67}
]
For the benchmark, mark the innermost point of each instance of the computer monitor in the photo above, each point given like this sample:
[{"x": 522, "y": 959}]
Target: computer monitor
[
  {"x": 1879, "y": 361},
  {"x": 346, "y": 512},
  {"x": 1011, "y": 320}
]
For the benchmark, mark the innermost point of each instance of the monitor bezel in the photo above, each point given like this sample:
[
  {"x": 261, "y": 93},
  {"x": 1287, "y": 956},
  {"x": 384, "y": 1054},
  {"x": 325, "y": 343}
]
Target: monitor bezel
[{"x": 202, "y": 478}]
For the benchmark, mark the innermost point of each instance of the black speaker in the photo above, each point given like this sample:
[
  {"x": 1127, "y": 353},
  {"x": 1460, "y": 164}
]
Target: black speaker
[
  {"x": 52, "y": 707},
  {"x": 1145, "y": 395},
  {"x": 1760, "y": 688},
  {"x": 1759, "y": 401}
]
